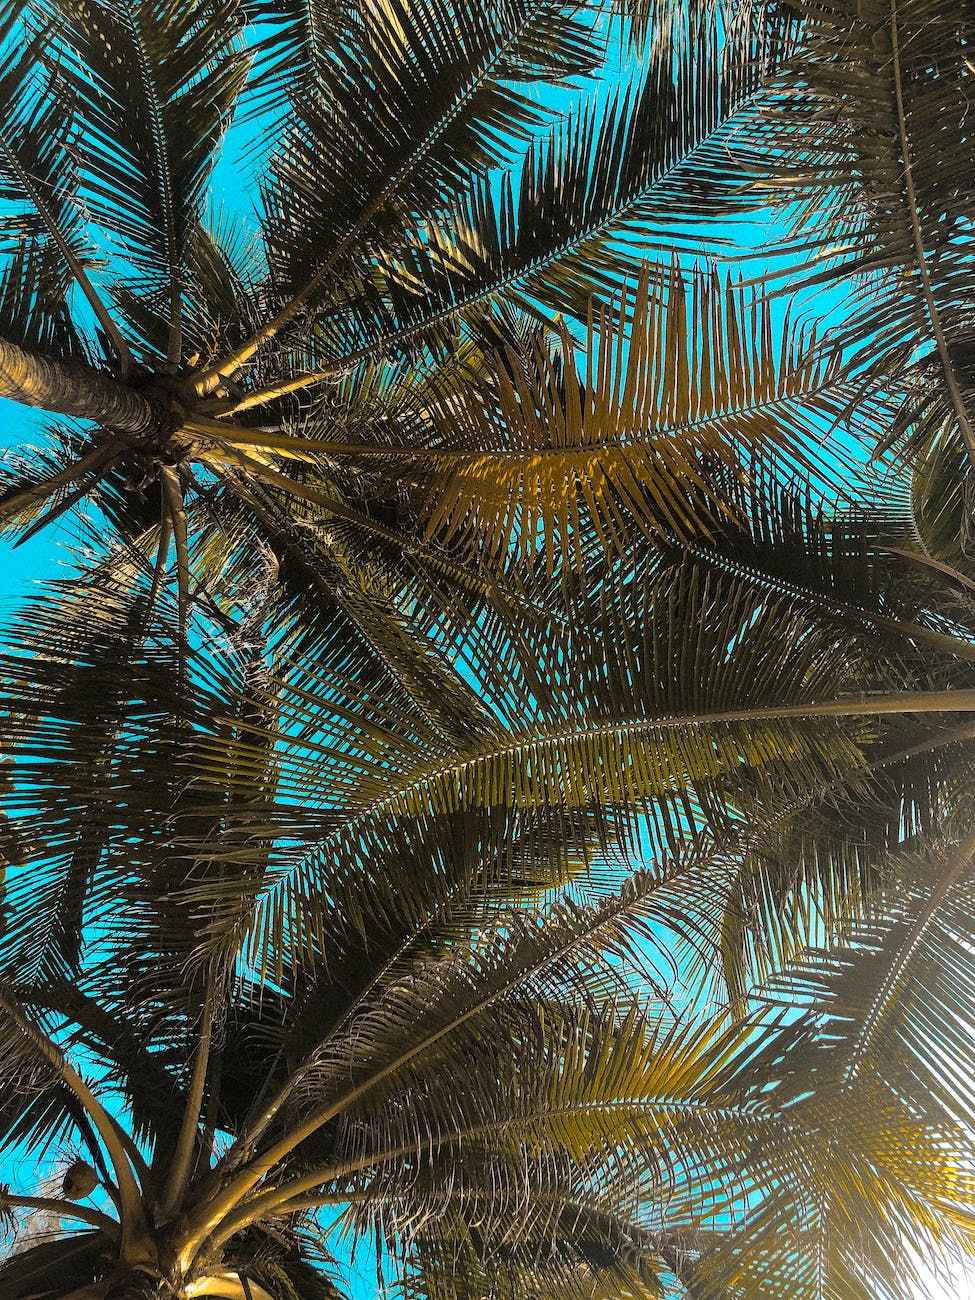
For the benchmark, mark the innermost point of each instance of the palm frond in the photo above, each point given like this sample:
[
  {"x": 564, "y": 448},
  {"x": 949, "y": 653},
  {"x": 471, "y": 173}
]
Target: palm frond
[
  {"x": 628, "y": 1103},
  {"x": 414, "y": 101},
  {"x": 643, "y": 739},
  {"x": 153, "y": 86},
  {"x": 295, "y": 43},
  {"x": 43, "y": 230},
  {"x": 678, "y": 379},
  {"x": 846, "y": 988},
  {"x": 222, "y": 294},
  {"x": 556, "y": 231},
  {"x": 871, "y": 123},
  {"x": 512, "y": 805}
]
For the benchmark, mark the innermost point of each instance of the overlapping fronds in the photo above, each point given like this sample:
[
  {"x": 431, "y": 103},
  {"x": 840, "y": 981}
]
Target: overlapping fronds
[
  {"x": 43, "y": 232},
  {"x": 542, "y": 777},
  {"x": 395, "y": 966},
  {"x": 557, "y": 230},
  {"x": 410, "y": 102},
  {"x": 456, "y": 207},
  {"x": 502, "y": 784},
  {"x": 869, "y": 133},
  {"x": 679, "y": 378},
  {"x": 223, "y": 284},
  {"x": 153, "y": 87},
  {"x": 629, "y": 722},
  {"x": 62, "y": 701},
  {"x": 897, "y": 1024},
  {"x": 634, "y": 1120}
]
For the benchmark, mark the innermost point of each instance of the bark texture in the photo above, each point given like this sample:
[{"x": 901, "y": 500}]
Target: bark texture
[{"x": 70, "y": 388}]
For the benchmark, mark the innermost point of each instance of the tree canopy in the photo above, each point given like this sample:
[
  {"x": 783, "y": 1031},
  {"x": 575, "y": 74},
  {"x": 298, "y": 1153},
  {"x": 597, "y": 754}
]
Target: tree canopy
[{"x": 494, "y": 782}]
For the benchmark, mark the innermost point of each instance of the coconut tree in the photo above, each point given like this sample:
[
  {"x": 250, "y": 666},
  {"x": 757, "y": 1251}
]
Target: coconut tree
[
  {"x": 581, "y": 971},
  {"x": 439, "y": 186},
  {"x": 533, "y": 834}
]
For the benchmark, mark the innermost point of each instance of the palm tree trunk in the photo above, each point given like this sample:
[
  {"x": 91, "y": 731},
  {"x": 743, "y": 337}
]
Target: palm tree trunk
[{"x": 72, "y": 388}]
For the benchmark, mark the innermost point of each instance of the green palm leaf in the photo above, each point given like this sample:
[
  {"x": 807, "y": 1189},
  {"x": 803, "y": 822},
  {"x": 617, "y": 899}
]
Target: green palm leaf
[
  {"x": 556, "y": 231},
  {"x": 874, "y": 172},
  {"x": 511, "y": 804},
  {"x": 44, "y": 228},
  {"x": 153, "y": 87},
  {"x": 684, "y": 377}
]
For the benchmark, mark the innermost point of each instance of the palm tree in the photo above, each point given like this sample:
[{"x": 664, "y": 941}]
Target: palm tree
[
  {"x": 282, "y": 950},
  {"x": 429, "y": 211},
  {"x": 321, "y": 892}
]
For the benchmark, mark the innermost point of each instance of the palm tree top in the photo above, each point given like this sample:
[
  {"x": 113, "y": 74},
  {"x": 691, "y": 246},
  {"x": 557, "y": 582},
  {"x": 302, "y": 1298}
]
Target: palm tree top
[{"x": 500, "y": 777}]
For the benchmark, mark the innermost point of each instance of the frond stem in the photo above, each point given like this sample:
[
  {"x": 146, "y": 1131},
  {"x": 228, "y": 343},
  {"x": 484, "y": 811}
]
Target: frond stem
[
  {"x": 162, "y": 553},
  {"x": 911, "y": 631},
  {"x": 189, "y": 1129},
  {"x": 292, "y": 488},
  {"x": 177, "y": 516},
  {"x": 64, "y": 1209},
  {"x": 226, "y": 1286},
  {"x": 163, "y": 176}
]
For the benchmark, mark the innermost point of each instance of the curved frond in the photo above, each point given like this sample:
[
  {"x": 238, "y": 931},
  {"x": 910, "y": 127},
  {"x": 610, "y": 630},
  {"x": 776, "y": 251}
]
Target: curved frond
[
  {"x": 153, "y": 86},
  {"x": 869, "y": 130},
  {"x": 678, "y": 380}
]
